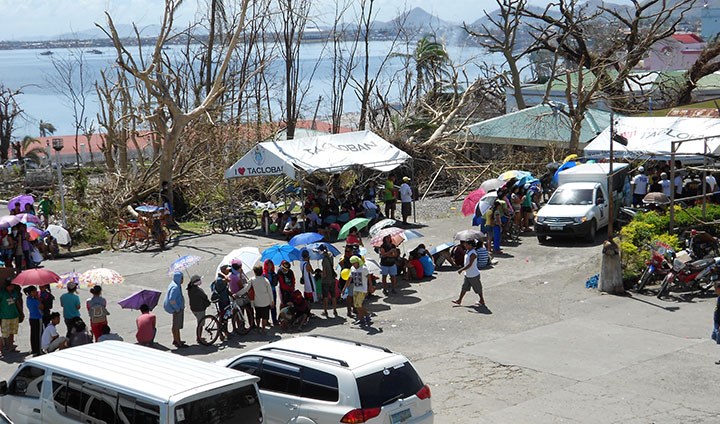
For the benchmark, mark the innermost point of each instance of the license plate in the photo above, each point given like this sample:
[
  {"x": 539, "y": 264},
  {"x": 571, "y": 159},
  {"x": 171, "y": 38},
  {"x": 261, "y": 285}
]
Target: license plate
[
  {"x": 400, "y": 417},
  {"x": 556, "y": 227}
]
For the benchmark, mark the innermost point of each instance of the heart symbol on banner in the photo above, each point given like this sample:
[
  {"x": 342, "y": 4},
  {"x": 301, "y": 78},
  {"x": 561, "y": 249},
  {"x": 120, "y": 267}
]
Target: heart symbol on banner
[{"x": 241, "y": 170}]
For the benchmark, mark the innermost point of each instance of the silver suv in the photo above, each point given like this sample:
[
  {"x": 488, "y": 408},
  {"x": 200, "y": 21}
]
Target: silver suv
[{"x": 320, "y": 379}]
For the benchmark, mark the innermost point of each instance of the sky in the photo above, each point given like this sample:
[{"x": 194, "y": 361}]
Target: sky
[{"x": 23, "y": 19}]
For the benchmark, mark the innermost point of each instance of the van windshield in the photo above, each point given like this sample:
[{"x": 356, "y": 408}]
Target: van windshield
[
  {"x": 240, "y": 405},
  {"x": 572, "y": 197},
  {"x": 388, "y": 385}
]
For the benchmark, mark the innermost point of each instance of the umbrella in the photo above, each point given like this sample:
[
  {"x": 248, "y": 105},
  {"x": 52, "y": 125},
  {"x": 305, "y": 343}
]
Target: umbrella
[
  {"x": 656, "y": 198},
  {"x": 147, "y": 208},
  {"x": 68, "y": 277},
  {"x": 21, "y": 200},
  {"x": 372, "y": 266},
  {"x": 280, "y": 252},
  {"x": 9, "y": 221},
  {"x": 142, "y": 297},
  {"x": 35, "y": 277},
  {"x": 466, "y": 235},
  {"x": 28, "y": 217},
  {"x": 487, "y": 201},
  {"x": 570, "y": 157},
  {"x": 380, "y": 225},
  {"x": 411, "y": 235},
  {"x": 358, "y": 223},
  {"x": 508, "y": 175},
  {"x": 183, "y": 263},
  {"x": 468, "y": 205},
  {"x": 492, "y": 184},
  {"x": 34, "y": 233},
  {"x": 563, "y": 167},
  {"x": 248, "y": 257},
  {"x": 440, "y": 247},
  {"x": 60, "y": 234},
  {"x": 100, "y": 276},
  {"x": 305, "y": 238},
  {"x": 395, "y": 233},
  {"x": 316, "y": 255}
]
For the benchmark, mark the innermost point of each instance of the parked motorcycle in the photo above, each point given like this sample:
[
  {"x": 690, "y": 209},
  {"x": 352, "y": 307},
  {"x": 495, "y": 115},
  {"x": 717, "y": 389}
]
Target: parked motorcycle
[
  {"x": 698, "y": 275},
  {"x": 658, "y": 266},
  {"x": 702, "y": 245}
]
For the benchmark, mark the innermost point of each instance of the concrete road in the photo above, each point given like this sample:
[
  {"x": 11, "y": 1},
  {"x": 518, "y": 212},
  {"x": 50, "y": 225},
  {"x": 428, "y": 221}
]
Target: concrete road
[{"x": 546, "y": 349}]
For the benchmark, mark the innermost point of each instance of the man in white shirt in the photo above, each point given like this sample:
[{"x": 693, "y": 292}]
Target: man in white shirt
[
  {"x": 639, "y": 186},
  {"x": 678, "y": 185},
  {"x": 665, "y": 184},
  {"x": 50, "y": 339},
  {"x": 405, "y": 199},
  {"x": 472, "y": 275},
  {"x": 292, "y": 228},
  {"x": 359, "y": 279},
  {"x": 711, "y": 183}
]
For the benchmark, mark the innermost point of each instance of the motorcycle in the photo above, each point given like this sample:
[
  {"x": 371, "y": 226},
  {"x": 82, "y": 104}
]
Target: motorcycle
[
  {"x": 702, "y": 245},
  {"x": 700, "y": 275},
  {"x": 658, "y": 266}
]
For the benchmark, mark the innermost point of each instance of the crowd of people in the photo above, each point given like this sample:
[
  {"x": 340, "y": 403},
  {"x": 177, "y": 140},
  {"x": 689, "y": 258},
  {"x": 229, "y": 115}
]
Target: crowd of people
[{"x": 25, "y": 244}]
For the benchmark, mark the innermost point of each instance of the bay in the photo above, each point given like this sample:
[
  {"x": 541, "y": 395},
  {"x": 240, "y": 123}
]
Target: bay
[{"x": 28, "y": 70}]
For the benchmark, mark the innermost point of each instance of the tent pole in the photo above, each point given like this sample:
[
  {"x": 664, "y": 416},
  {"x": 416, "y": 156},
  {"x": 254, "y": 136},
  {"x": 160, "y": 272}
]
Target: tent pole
[
  {"x": 704, "y": 180},
  {"x": 412, "y": 172},
  {"x": 672, "y": 186}
]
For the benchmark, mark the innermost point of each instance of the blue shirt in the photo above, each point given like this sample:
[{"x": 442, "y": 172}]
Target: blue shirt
[
  {"x": 427, "y": 264},
  {"x": 70, "y": 303},
  {"x": 483, "y": 257},
  {"x": 174, "y": 301},
  {"x": 33, "y": 305}
]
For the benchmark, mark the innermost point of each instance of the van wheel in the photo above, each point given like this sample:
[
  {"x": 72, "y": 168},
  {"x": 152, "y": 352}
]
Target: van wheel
[
  {"x": 542, "y": 239},
  {"x": 590, "y": 237}
]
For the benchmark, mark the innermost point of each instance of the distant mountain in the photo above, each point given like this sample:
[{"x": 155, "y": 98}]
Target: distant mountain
[
  {"x": 416, "y": 18},
  {"x": 590, "y": 4},
  {"x": 124, "y": 30}
]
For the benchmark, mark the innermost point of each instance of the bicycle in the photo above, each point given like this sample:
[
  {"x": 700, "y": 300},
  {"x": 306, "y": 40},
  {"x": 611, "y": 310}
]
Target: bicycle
[
  {"x": 244, "y": 220},
  {"x": 212, "y": 327},
  {"x": 127, "y": 235}
]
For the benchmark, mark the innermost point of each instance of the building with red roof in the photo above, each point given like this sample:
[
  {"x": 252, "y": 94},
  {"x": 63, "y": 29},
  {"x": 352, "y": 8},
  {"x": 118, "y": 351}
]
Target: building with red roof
[{"x": 675, "y": 53}]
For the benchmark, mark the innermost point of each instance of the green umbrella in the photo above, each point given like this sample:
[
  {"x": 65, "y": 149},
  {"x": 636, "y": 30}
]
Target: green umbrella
[{"x": 358, "y": 223}]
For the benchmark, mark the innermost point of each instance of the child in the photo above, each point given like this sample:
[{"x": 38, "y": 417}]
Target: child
[{"x": 716, "y": 318}]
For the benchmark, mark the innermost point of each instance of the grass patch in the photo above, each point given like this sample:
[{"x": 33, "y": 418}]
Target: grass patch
[{"x": 199, "y": 227}]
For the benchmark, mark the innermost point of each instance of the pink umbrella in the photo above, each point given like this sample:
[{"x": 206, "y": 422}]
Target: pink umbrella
[
  {"x": 28, "y": 217},
  {"x": 9, "y": 221},
  {"x": 34, "y": 233},
  {"x": 395, "y": 233},
  {"x": 468, "y": 206},
  {"x": 21, "y": 200}
]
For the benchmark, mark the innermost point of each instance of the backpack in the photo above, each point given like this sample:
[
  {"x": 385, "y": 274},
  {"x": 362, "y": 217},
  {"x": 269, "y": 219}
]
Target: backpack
[{"x": 214, "y": 296}]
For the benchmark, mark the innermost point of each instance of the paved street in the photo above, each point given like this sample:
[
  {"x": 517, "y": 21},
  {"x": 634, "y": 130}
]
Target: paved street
[{"x": 547, "y": 350}]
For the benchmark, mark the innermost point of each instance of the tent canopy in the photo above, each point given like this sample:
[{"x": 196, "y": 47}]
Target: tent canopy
[
  {"x": 331, "y": 153},
  {"x": 650, "y": 137}
]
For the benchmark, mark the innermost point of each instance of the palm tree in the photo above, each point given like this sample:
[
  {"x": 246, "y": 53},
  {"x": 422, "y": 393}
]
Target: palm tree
[
  {"x": 32, "y": 152},
  {"x": 431, "y": 59},
  {"x": 46, "y": 128}
]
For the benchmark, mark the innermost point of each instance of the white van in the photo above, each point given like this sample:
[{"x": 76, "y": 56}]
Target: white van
[{"x": 123, "y": 383}]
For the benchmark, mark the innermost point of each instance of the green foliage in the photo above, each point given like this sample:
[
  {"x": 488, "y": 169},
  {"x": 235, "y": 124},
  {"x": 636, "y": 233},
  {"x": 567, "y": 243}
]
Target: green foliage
[
  {"x": 85, "y": 224},
  {"x": 646, "y": 228},
  {"x": 80, "y": 184}
]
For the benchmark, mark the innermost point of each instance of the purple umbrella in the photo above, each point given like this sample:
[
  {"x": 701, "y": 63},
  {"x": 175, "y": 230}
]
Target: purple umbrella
[
  {"x": 22, "y": 200},
  {"x": 143, "y": 297},
  {"x": 9, "y": 221},
  {"x": 28, "y": 217}
]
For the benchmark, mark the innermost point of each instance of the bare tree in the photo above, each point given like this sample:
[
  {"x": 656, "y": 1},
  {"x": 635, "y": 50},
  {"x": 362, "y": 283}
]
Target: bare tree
[
  {"x": 706, "y": 64},
  {"x": 344, "y": 55},
  {"x": 10, "y": 110}
]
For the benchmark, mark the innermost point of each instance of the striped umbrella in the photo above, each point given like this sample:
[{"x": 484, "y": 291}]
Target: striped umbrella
[
  {"x": 183, "y": 263},
  {"x": 100, "y": 277},
  {"x": 395, "y": 233}
]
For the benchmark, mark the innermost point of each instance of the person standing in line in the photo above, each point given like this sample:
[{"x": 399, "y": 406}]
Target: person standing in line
[
  {"x": 388, "y": 264},
  {"x": 70, "y": 303},
  {"x": 270, "y": 274},
  {"x": 390, "y": 197},
  {"x": 286, "y": 280},
  {"x": 97, "y": 309},
  {"x": 35, "y": 314},
  {"x": 197, "y": 298},
  {"x": 328, "y": 281},
  {"x": 639, "y": 185},
  {"x": 406, "y": 198},
  {"x": 174, "y": 304},
  {"x": 472, "y": 275},
  {"x": 47, "y": 299},
  {"x": 10, "y": 314},
  {"x": 263, "y": 298},
  {"x": 359, "y": 280},
  {"x": 145, "y": 324},
  {"x": 678, "y": 185},
  {"x": 665, "y": 184},
  {"x": 344, "y": 263},
  {"x": 307, "y": 271}
]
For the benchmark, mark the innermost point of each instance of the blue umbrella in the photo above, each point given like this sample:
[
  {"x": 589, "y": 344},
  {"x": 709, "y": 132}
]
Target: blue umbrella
[
  {"x": 147, "y": 208},
  {"x": 305, "y": 238},
  {"x": 563, "y": 167},
  {"x": 411, "y": 235},
  {"x": 183, "y": 263},
  {"x": 317, "y": 255},
  {"x": 280, "y": 252},
  {"x": 439, "y": 248}
]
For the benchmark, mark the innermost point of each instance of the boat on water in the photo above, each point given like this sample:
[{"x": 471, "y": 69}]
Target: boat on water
[
  {"x": 95, "y": 51},
  {"x": 46, "y": 53}
]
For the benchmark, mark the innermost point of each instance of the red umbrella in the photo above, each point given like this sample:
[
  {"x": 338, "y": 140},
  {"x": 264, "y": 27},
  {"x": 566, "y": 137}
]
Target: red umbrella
[
  {"x": 36, "y": 277},
  {"x": 468, "y": 206}
]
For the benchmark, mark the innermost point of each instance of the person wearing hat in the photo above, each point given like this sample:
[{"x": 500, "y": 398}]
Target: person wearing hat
[
  {"x": 665, "y": 184},
  {"x": 197, "y": 298},
  {"x": 639, "y": 185},
  {"x": 327, "y": 280},
  {"x": 405, "y": 199},
  {"x": 70, "y": 303},
  {"x": 47, "y": 208},
  {"x": 97, "y": 309},
  {"x": 359, "y": 280},
  {"x": 174, "y": 304},
  {"x": 306, "y": 273},
  {"x": 286, "y": 281}
]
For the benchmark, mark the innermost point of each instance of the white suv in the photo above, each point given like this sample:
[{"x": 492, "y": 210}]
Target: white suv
[{"x": 320, "y": 379}]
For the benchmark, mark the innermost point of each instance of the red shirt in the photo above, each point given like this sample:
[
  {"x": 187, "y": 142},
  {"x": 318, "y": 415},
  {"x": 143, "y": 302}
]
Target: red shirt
[
  {"x": 145, "y": 328},
  {"x": 415, "y": 263},
  {"x": 353, "y": 240}
]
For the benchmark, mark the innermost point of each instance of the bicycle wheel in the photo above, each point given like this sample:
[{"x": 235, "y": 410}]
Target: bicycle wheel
[
  {"x": 239, "y": 324},
  {"x": 219, "y": 226},
  {"x": 665, "y": 286},
  {"x": 208, "y": 330},
  {"x": 141, "y": 240},
  {"x": 248, "y": 222},
  {"x": 120, "y": 240}
]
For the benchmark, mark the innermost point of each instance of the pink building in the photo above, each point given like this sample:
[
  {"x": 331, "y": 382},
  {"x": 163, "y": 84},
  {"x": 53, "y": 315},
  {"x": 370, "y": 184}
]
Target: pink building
[{"x": 677, "y": 52}]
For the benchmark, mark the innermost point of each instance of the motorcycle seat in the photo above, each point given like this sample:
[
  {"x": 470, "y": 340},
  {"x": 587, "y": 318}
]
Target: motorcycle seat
[{"x": 702, "y": 263}]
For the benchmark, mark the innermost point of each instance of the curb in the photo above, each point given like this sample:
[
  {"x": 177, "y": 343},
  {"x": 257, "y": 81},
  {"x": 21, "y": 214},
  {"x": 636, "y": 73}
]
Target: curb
[{"x": 81, "y": 252}]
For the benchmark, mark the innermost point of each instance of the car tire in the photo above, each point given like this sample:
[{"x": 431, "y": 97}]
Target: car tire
[{"x": 590, "y": 236}]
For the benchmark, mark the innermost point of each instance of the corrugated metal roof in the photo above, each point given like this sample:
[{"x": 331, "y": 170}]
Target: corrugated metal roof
[{"x": 538, "y": 126}]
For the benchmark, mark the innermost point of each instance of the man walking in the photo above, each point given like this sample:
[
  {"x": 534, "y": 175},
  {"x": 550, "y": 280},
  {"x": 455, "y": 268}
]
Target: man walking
[
  {"x": 174, "y": 304},
  {"x": 472, "y": 275},
  {"x": 639, "y": 187},
  {"x": 405, "y": 199}
]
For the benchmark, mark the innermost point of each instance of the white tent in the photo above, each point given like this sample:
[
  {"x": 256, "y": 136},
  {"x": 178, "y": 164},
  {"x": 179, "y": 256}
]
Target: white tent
[
  {"x": 653, "y": 137},
  {"x": 327, "y": 153}
]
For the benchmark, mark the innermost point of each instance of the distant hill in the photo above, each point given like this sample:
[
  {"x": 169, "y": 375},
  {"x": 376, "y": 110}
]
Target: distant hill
[
  {"x": 416, "y": 18},
  {"x": 591, "y": 4},
  {"x": 124, "y": 30}
]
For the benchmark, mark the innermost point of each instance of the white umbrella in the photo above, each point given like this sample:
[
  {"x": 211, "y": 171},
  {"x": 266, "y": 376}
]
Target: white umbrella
[
  {"x": 380, "y": 225},
  {"x": 249, "y": 256},
  {"x": 60, "y": 234},
  {"x": 372, "y": 266},
  {"x": 487, "y": 201}
]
